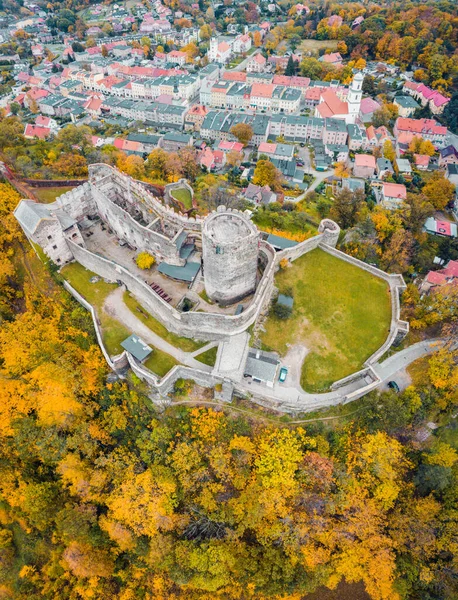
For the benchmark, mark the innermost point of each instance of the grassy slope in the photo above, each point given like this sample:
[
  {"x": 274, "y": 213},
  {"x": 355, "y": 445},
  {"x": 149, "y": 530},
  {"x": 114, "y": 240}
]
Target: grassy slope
[
  {"x": 159, "y": 362},
  {"x": 47, "y": 195},
  {"x": 186, "y": 344},
  {"x": 184, "y": 196},
  {"x": 114, "y": 332},
  {"x": 341, "y": 313},
  {"x": 208, "y": 357}
]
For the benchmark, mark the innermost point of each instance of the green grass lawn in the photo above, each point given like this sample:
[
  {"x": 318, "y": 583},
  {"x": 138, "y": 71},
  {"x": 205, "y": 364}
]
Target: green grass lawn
[
  {"x": 114, "y": 332},
  {"x": 186, "y": 344},
  {"x": 208, "y": 357},
  {"x": 160, "y": 362},
  {"x": 341, "y": 313},
  {"x": 47, "y": 195},
  {"x": 203, "y": 295},
  {"x": 184, "y": 196}
]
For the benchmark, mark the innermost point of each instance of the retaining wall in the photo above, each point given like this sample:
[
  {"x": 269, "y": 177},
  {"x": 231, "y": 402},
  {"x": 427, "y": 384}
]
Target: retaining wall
[
  {"x": 197, "y": 325},
  {"x": 117, "y": 362}
]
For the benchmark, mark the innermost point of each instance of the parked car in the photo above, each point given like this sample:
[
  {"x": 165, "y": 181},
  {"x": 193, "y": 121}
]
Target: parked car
[
  {"x": 394, "y": 386},
  {"x": 283, "y": 374}
]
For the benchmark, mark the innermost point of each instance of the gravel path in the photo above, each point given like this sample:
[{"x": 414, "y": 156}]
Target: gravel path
[{"x": 114, "y": 306}]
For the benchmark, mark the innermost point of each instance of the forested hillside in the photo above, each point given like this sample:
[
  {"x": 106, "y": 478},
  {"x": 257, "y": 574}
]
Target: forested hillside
[{"x": 104, "y": 497}]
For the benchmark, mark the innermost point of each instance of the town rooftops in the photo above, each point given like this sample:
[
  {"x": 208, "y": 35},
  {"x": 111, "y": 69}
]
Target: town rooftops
[
  {"x": 406, "y": 102},
  {"x": 395, "y": 190},
  {"x": 137, "y": 347}
]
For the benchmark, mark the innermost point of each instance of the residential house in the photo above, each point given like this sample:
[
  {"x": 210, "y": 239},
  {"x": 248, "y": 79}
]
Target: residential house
[
  {"x": 392, "y": 195},
  {"x": 364, "y": 166},
  {"x": 259, "y": 195},
  {"x": 406, "y": 105},
  {"x": 172, "y": 142},
  {"x": 367, "y": 109},
  {"x": 442, "y": 228},
  {"x": 404, "y": 167},
  {"x": 428, "y": 129},
  {"x": 279, "y": 151},
  {"x": 256, "y": 64},
  {"x": 421, "y": 161},
  {"x": 451, "y": 172},
  {"x": 334, "y": 58},
  {"x": 195, "y": 117},
  {"x": 448, "y": 156},
  {"x": 446, "y": 276}
]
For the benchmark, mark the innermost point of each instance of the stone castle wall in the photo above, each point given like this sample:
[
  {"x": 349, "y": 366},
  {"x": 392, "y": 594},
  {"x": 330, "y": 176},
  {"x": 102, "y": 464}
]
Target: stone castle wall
[{"x": 198, "y": 325}]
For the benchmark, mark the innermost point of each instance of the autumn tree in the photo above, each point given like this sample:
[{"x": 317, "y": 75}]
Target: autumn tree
[
  {"x": 439, "y": 190},
  {"x": 243, "y": 132},
  {"x": 346, "y": 207},
  {"x": 144, "y": 260},
  {"x": 266, "y": 173}
]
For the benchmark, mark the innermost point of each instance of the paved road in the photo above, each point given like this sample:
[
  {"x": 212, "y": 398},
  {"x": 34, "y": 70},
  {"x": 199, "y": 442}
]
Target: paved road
[
  {"x": 114, "y": 306},
  {"x": 293, "y": 398}
]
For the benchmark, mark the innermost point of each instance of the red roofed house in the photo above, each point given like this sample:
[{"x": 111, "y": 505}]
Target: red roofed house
[
  {"x": 195, "y": 117},
  {"x": 226, "y": 146},
  {"x": 335, "y": 21},
  {"x": 446, "y": 276},
  {"x": 367, "y": 109},
  {"x": 421, "y": 161},
  {"x": 442, "y": 228},
  {"x": 177, "y": 57},
  {"x": 427, "y": 128},
  {"x": 392, "y": 195},
  {"x": 334, "y": 58},
  {"x": 234, "y": 76},
  {"x": 33, "y": 131},
  {"x": 93, "y": 106},
  {"x": 426, "y": 96},
  {"x": 256, "y": 64},
  {"x": 207, "y": 159},
  {"x": 364, "y": 165}
]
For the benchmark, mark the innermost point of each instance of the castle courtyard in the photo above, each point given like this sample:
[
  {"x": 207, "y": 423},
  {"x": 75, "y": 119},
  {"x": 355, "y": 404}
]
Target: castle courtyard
[{"x": 341, "y": 316}]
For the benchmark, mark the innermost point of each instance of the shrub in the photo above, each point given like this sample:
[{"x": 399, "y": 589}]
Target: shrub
[
  {"x": 145, "y": 261},
  {"x": 182, "y": 386},
  {"x": 284, "y": 263},
  {"x": 281, "y": 311}
]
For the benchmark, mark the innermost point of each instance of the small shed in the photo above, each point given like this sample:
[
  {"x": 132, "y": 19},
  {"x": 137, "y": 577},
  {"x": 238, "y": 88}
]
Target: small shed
[
  {"x": 137, "y": 347},
  {"x": 284, "y": 300},
  {"x": 262, "y": 367}
]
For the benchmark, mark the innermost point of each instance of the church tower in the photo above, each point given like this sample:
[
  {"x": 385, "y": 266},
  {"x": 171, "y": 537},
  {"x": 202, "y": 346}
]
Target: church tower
[{"x": 355, "y": 94}]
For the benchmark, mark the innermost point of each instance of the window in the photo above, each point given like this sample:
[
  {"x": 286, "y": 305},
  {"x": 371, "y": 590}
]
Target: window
[
  {"x": 57, "y": 260},
  {"x": 54, "y": 247},
  {"x": 219, "y": 250},
  {"x": 49, "y": 237}
]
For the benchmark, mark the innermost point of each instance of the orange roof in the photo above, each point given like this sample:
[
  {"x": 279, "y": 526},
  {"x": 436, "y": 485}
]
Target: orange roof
[
  {"x": 223, "y": 47},
  {"x": 364, "y": 160},
  {"x": 395, "y": 190},
  {"x": 234, "y": 76},
  {"x": 421, "y": 160},
  {"x": 266, "y": 147},
  {"x": 332, "y": 105},
  {"x": 262, "y": 90}
]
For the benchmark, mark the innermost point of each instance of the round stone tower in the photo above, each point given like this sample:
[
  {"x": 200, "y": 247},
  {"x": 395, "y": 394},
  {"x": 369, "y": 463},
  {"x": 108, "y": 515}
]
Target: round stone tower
[
  {"x": 230, "y": 245},
  {"x": 330, "y": 231}
]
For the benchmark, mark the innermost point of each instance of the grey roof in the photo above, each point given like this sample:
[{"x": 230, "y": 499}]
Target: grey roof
[
  {"x": 137, "y": 347},
  {"x": 452, "y": 169},
  {"x": 30, "y": 213},
  {"x": 186, "y": 273},
  {"x": 406, "y": 102},
  {"x": 180, "y": 239},
  {"x": 285, "y": 300},
  {"x": 261, "y": 365},
  {"x": 353, "y": 184},
  {"x": 280, "y": 242}
]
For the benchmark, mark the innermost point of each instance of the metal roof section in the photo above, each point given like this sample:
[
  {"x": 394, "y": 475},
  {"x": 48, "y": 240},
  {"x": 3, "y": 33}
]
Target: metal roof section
[
  {"x": 137, "y": 347},
  {"x": 186, "y": 273},
  {"x": 280, "y": 243}
]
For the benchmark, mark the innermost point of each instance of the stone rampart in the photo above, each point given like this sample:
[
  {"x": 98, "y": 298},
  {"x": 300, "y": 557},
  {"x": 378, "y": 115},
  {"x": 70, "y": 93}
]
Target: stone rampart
[
  {"x": 99, "y": 171},
  {"x": 300, "y": 249},
  {"x": 197, "y": 325},
  {"x": 117, "y": 362}
]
